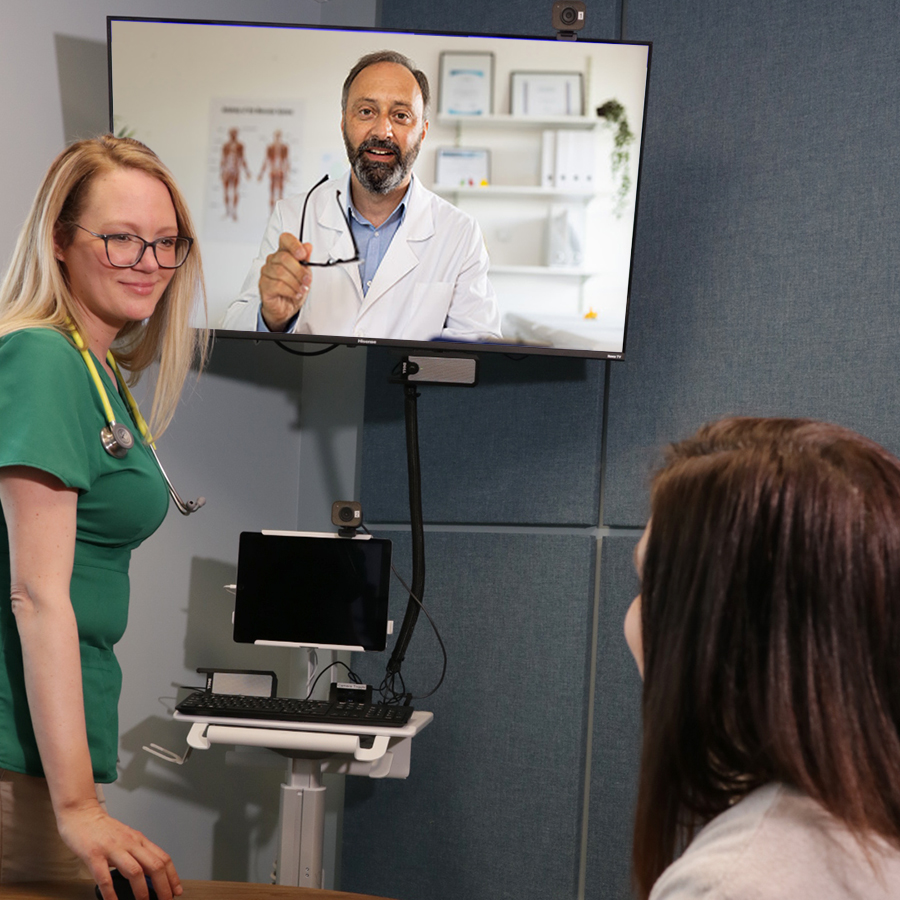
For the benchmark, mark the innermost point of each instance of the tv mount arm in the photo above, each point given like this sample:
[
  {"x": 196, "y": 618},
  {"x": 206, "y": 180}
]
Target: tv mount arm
[
  {"x": 417, "y": 530},
  {"x": 450, "y": 370}
]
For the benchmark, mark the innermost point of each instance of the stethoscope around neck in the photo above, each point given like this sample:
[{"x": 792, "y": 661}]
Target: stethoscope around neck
[{"x": 115, "y": 437}]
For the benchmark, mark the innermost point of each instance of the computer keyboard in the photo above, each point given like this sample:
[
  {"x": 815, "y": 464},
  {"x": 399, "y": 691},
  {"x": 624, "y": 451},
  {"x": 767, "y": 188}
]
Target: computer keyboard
[{"x": 290, "y": 709}]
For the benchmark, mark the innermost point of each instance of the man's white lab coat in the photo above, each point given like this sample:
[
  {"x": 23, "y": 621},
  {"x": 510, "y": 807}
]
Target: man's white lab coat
[{"x": 431, "y": 284}]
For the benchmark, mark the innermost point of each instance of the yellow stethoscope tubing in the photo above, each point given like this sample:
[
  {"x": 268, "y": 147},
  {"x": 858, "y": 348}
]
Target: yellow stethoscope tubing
[
  {"x": 101, "y": 391},
  {"x": 183, "y": 507}
]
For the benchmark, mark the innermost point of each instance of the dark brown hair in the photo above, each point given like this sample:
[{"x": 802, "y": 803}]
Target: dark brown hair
[
  {"x": 771, "y": 630},
  {"x": 391, "y": 56}
]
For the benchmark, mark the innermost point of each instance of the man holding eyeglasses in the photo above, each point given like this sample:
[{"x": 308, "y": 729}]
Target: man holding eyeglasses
[{"x": 374, "y": 254}]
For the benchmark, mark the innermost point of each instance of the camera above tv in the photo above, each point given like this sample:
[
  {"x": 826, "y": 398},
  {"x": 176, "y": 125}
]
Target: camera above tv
[{"x": 517, "y": 183}]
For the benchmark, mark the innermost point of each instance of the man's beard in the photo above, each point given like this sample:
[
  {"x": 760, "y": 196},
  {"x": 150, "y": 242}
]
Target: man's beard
[{"x": 380, "y": 177}]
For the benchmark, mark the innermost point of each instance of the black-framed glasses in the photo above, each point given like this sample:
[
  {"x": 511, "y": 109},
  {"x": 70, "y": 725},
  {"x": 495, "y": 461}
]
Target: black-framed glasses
[
  {"x": 124, "y": 251},
  {"x": 330, "y": 262}
]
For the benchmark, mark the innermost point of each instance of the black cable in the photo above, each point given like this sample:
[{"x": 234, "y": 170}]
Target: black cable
[
  {"x": 383, "y": 687},
  {"x": 338, "y": 662},
  {"x": 390, "y": 695},
  {"x": 437, "y": 634},
  {"x": 288, "y": 349}
]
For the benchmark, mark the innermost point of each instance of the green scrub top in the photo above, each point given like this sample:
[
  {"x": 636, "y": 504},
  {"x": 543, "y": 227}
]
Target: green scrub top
[{"x": 50, "y": 419}]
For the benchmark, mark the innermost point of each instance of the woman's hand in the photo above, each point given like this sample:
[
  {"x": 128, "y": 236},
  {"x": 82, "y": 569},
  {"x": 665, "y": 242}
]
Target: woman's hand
[{"x": 104, "y": 842}]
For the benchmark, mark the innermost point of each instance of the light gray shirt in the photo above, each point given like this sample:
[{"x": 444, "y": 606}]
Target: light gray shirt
[{"x": 777, "y": 844}]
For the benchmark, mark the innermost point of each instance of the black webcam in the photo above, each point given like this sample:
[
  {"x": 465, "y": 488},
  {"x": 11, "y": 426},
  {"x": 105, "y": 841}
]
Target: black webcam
[
  {"x": 568, "y": 16},
  {"x": 347, "y": 515}
]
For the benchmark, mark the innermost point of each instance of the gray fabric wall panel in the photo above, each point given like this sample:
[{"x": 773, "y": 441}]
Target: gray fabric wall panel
[
  {"x": 523, "y": 446},
  {"x": 616, "y": 746},
  {"x": 765, "y": 283},
  {"x": 492, "y": 807},
  {"x": 766, "y": 261},
  {"x": 513, "y": 17}
]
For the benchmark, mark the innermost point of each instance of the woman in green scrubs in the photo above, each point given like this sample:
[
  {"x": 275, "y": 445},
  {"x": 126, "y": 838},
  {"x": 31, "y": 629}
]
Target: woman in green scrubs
[{"x": 103, "y": 262}]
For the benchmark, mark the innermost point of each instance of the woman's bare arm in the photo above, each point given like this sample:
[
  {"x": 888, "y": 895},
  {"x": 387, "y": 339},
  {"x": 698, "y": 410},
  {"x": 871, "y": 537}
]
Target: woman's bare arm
[{"x": 40, "y": 515}]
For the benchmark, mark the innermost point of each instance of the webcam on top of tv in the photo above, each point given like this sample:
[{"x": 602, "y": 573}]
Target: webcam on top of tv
[
  {"x": 347, "y": 515},
  {"x": 568, "y": 17}
]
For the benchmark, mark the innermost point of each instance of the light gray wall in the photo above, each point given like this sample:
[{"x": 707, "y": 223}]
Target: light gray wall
[
  {"x": 53, "y": 72},
  {"x": 268, "y": 438},
  {"x": 766, "y": 283},
  {"x": 270, "y": 441},
  {"x": 215, "y": 820}
]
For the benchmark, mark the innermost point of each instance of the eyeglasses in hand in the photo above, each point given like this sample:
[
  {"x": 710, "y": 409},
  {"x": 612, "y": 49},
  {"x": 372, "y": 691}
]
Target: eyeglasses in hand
[{"x": 330, "y": 262}]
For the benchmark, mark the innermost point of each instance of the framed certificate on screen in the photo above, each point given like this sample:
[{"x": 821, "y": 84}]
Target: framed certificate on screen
[
  {"x": 462, "y": 167},
  {"x": 467, "y": 84},
  {"x": 546, "y": 94}
]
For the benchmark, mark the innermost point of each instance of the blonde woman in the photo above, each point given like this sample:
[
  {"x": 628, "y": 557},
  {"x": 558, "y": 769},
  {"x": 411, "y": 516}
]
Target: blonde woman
[{"x": 102, "y": 282}]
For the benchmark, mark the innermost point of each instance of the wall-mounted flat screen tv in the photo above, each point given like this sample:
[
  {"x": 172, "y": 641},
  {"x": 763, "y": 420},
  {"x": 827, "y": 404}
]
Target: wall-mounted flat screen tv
[{"x": 514, "y": 234}]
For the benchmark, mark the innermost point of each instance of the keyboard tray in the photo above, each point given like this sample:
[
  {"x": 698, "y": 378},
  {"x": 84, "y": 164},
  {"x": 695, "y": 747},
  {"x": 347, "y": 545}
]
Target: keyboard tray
[{"x": 290, "y": 709}]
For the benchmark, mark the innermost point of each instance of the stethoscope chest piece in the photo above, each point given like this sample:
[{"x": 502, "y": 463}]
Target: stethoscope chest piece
[{"x": 117, "y": 440}]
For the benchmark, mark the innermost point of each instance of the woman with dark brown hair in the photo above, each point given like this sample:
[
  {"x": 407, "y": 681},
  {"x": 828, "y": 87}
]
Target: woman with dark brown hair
[{"x": 767, "y": 632}]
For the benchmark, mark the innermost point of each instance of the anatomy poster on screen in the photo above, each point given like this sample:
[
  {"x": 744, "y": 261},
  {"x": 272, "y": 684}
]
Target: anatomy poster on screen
[{"x": 253, "y": 154}]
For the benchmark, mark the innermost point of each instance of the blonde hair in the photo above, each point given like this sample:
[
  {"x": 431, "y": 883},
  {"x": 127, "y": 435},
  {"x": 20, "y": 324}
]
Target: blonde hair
[{"x": 35, "y": 292}]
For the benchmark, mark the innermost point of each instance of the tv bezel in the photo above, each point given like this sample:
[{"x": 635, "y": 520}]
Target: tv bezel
[{"x": 436, "y": 347}]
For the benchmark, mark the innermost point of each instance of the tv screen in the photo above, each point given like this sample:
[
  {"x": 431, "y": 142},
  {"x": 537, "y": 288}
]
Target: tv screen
[{"x": 516, "y": 233}]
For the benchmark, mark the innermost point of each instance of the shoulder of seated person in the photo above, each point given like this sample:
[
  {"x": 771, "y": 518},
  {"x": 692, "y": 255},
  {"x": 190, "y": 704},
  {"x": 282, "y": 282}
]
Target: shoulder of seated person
[{"x": 778, "y": 843}]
